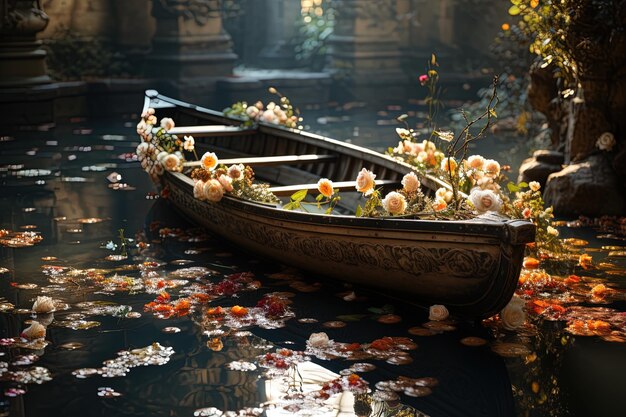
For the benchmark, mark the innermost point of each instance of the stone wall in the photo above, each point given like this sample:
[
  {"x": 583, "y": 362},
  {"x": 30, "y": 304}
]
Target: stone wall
[{"x": 127, "y": 23}]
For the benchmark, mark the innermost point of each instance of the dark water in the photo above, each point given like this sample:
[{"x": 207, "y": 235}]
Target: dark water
[{"x": 53, "y": 179}]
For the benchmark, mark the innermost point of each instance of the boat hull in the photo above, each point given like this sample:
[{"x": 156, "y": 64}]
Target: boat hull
[{"x": 463, "y": 265}]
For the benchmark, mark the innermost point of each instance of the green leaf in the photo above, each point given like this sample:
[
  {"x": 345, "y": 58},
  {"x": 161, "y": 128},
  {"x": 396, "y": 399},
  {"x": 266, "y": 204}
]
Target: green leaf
[
  {"x": 319, "y": 197},
  {"x": 376, "y": 310},
  {"x": 359, "y": 211},
  {"x": 512, "y": 187},
  {"x": 298, "y": 196},
  {"x": 514, "y": 10},
  {"x": 292, "y": 205},
  {"x": 351, "y": 317},
  {"x": 523, "y": 185},
  {"x": 329, "y": 210}
]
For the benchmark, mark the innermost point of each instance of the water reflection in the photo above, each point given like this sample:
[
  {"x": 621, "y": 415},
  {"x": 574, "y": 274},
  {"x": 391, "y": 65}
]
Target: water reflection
[{"x": 217, "y": 364}]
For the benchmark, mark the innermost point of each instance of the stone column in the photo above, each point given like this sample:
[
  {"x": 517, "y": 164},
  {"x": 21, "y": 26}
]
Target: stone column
[
  {"x": 22, "y": 61},
  {"x": 278, "y": 51},
  {"x": 365, "y": 49},
  {"x": 190, "y": 49}
]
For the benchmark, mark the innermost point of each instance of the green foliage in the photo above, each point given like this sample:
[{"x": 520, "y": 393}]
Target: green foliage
[
  {"x": 314, "y": 32},
  {"x": 571, "y": 35},
  {"x": 296, "y": 200}
]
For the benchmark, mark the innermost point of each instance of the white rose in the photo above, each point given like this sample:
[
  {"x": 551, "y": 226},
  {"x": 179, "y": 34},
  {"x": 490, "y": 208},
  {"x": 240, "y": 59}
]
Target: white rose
[
  {"x": 410, "y": 182},
  {"x": 318, "y": 340},
  {"x": 35, "y": 331},
  {"x": 394, "y": 203},
  {"x": 485, "y": 200},
  {"x": 167, "y": 123},
  {"x": 513, "y": 315},
  {"x": 438, "y": 312},
  {"x": 171, "y": 162},
  {"x": 43, "y": 304},
  {"x": 606, "y": 142}
]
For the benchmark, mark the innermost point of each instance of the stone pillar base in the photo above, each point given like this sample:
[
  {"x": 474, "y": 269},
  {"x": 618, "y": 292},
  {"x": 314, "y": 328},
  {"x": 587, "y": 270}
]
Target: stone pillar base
[{"x": 22, "y": 64}]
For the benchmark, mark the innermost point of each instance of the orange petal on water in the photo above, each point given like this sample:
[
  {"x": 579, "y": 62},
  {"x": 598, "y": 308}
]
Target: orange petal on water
[
  {"x": 389, "y": 319},
  {"x": 473, "y": 341},
  {"x": 530, "y": 263}
]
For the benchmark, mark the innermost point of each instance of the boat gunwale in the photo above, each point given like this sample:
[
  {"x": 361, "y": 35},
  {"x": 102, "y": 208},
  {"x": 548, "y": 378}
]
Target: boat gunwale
[{"x": 489, "y": 226}]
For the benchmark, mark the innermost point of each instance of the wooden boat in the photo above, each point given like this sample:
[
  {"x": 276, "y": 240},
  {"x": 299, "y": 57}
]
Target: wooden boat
[{"x": 471, "y": 266}]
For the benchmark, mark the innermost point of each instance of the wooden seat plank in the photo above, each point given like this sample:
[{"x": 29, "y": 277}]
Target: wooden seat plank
[
  {"x": 341, "y": 185},
  {"x": 210, "y": 130},
  {"x": 271, "y": 160}
]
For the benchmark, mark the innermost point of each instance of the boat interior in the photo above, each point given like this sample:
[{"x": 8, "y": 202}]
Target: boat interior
[{"x": 288, "y": 160}]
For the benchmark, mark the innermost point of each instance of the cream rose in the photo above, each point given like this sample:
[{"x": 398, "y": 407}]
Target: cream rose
[
  {"x": 171, "y": 162},
  {"x": 209, "y": 161},
  {"x": 142, "y": 150},
  {"x": 318, "y": 340},
  {"x": 410, "y": 182},
  {"x": 198, "y": 190},
  {"x": 167, "y": 123},
  {"x": 444, "y": 194},
  {"x": 253, "y": 112},
  {"x": 513, "y": 315},
  {"x": 394, "y": 203},
  {"x": 438, "y": 312},
  {"x": 476, "y": 162},
  {"x": 534, "y": 186},
  {"x": 236, "y": 172},
  {"x": 268, "y": 116},
  {"x": 213, "y": 190},
  {"x": 189, "y": 144},
  {"x": 415, "y": 148},
  {"x": 365, "y": 182},
  {"x": 35, "y": 331},
  {"x": 325, "y": 187},
  {"x": 485, "y": 200},
  {"x": 226, "y": 182},
  {"x": 606, "y": 142},
  {"x": 43, "y": 305},
  {"x": 492, "y": 168}
]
